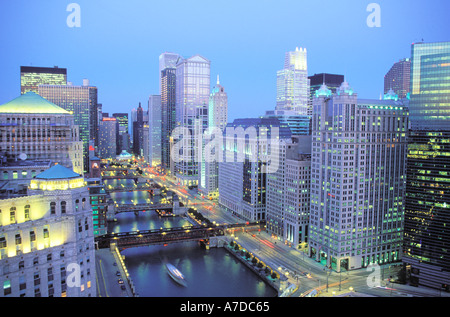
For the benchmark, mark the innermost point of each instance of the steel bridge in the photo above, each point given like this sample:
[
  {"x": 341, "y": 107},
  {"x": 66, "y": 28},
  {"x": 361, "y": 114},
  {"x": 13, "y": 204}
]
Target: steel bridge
[
  {"x": 171, "y": 235},
  {"x": 141, "y": 207}
]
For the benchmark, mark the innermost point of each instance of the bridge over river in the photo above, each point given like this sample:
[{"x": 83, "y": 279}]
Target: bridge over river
[{"x": 172, "y": 235}]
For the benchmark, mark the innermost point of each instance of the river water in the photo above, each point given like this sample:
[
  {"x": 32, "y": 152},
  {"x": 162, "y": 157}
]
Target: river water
[{"x": 209, "y": 273}]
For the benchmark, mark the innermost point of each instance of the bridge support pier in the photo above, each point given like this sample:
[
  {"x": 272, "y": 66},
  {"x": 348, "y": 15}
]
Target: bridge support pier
[
  {"x": 136, "y": 213},
  {"x": 204, "y": 244}
]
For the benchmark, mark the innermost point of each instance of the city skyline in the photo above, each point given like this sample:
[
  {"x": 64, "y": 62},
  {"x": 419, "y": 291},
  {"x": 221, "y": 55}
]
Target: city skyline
[{"x": 247, "y": 44}]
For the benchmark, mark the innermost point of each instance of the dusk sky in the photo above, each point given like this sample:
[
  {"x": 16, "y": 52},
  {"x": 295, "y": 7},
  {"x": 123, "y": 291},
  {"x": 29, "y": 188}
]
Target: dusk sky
[{"x": 119, "y": 42}]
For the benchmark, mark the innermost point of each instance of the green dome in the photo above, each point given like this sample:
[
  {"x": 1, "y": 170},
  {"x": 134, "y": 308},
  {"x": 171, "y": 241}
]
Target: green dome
[
  {"x": 31, "y": 103},
  {"x": 58, "y": 172}
]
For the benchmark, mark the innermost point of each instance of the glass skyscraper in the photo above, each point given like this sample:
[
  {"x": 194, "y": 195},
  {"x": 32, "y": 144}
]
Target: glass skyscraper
[
  {"x": 192, "y": 98},
  {"x": 427, "y": 212},
  {"x": 398, "y": 78},
  {"x": 81, "y": 101}
]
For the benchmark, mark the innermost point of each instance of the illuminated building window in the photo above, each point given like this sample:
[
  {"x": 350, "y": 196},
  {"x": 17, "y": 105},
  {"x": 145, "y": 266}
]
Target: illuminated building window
[
  {"x": 46, "y": 233},
  {"x": 12, "y": 214},
  {"x": 7, "y": 287},
  {"x": 18, "y": 239},
  {"x": 27, "y": 212}
]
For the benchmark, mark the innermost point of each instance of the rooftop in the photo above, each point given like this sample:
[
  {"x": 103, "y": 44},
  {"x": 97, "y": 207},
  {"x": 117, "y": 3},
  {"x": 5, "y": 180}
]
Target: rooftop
[
  {"x": 31, "y": 102},
  {"x": 58, "y": 172}
]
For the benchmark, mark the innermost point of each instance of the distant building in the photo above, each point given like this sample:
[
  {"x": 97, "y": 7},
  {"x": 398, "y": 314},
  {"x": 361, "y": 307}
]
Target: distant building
[
  {"x": 33, "y": 128},
  {"x": 167, "y": 83},
  {"x": 138, "y": 131},
  {"x": 81, "y": 101},
  {"x": 293, "y": 83},
  {"x": 398, "y": 78},
  {"x": 298, "y": 124},
  {"x": 155, "y": 126},
  {"x": 122, "y": 143},
  {"x": 31, "y": 77},
  {"x": 107, "y": 144}
]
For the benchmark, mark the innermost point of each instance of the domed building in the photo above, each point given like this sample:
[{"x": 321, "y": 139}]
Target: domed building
[
  {"x": 45, "y": 236},
  {"x": 33, "y": 127}
]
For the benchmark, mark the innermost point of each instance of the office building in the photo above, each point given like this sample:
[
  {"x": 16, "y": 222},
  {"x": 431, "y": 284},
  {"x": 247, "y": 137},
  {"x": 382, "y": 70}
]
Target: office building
[
  {"x": 33, "y": 128},
  {"x": 288, "y": 193},
  {"x": 251, "y": 153},
  {"x": 81, "y": 101},
  {"x": 107, "y": 140},
  {"x": 138, "y": 132},
  {"x": 358, "y": 179},
  {"x": 218, "y": 116},
  {"x": 293, "y": 83},
  {"x": 167, "y": 83},
  {"x": 155, "y": 129},
  {"x": 192, "y": 98},
  {"x": 45, "y": 235},
  {"x": 31, "y": 77},
  {"x": 122, "y": 141},
  {"x": 398, "y": 78},
  {"x": 427, "y": 238}
]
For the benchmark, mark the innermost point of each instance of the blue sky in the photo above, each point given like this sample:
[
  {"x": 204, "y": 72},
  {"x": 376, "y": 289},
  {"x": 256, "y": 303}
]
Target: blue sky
[{"x": 119, "y": 42}]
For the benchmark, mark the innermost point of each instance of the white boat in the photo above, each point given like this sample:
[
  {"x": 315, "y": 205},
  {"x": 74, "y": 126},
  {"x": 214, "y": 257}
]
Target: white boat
[{"x": 175, "y": 274}]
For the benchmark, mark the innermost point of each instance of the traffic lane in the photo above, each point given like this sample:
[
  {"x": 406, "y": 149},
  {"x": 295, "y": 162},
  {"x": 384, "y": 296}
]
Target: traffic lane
[{"x": 111, "y": 274}]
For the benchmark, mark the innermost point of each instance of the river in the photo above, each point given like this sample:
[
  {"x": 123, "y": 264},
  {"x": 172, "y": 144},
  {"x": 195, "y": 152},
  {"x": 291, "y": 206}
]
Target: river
[{"x": 209, "y": 273}]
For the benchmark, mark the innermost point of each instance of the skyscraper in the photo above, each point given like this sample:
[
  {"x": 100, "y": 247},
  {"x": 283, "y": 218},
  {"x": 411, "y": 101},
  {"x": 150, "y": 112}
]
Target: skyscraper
[
  {"x": 288, "y": 192},
  {"x": 81, "y": 101},
  {"x": 167, "y": 83},
  {"x": 293, "y": 83},
  {"x": 218, "y": 116},
  {"x": 123, "y": 136},
  {"x": 358, "y": 173},
  {"x": 192, "y": 98},
  {"x": 107, "y": 138},
  {"x": 243, "y": 171},
  {"x": 398, "y": 78},
  {"x": 138, "y": 132},
  {"x": 427, "y": 213},
  {"x": 155, "y": 133},
  {"x": 31, "y": 77}
]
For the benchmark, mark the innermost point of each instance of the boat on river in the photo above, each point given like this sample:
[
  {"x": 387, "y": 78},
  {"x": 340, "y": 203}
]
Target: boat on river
[{"x": 176, "y": 275}]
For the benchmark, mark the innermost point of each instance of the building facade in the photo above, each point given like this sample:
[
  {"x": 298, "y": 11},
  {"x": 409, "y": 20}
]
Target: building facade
[
  {"x": 36, "y": 129},
  {"x": 46, "y": 239},
  {"x": 81, "y": 101},
  {"x": 31, "y": 77},
  {"x": 218, "y": 116},
  {"x": 293, "y": 83},
  {"x": 107, "y": 140},
  {"x": 427, "y": 239},
  {"x": 167, "y": 79},
  {"x": 358, "y": 179},
  {"x": 398, "y": 78},
  {"x": 192, "y": 98},
  {"x": 155, "y": 132}
]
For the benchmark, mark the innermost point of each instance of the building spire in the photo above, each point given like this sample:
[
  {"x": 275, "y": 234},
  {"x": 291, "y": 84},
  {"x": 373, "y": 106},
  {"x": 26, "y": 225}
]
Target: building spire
[{"x": 218, "y": 82}]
